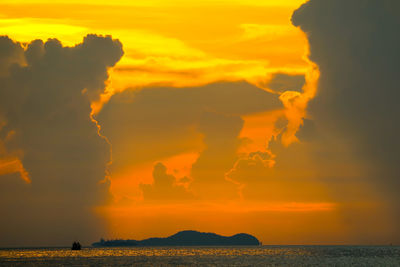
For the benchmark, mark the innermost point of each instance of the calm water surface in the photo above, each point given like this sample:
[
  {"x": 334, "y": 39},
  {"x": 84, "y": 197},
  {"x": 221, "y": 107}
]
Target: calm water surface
[{"x": 206, "y": 256}]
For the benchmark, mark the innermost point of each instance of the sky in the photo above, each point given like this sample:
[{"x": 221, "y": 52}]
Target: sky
[{"x": 134, "y": 119}]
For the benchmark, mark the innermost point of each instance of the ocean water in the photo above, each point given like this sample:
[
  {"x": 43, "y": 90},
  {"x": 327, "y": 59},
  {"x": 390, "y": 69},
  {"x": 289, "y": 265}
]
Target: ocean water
[{"x": 206, "y": 256}]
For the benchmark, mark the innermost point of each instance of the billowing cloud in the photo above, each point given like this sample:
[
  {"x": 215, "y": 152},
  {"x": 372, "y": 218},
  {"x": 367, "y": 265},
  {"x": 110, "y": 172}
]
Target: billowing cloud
[
  {"x": 165, "y": 186},
  {"x": 355, "y": 44},
  {"x": 45, "y": 103},
  {"x": 10, "y": 53},
  {"x": 156, "y": 123}
]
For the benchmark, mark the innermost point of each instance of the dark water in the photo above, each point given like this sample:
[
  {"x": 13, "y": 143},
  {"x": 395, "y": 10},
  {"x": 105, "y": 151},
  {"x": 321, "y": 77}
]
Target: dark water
[{"x": 206, "y": 256}]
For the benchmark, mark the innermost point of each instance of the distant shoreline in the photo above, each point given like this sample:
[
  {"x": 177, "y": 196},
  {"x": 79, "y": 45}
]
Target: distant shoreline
[{"x": 184, "y": 238}]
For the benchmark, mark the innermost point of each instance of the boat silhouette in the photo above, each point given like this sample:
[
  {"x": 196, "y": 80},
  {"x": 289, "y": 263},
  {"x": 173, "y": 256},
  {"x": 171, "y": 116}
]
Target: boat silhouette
[{"x": 76, "y": 246}]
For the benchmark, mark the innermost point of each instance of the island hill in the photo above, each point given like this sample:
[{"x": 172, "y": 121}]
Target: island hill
[{"x": 185, "y": 238}]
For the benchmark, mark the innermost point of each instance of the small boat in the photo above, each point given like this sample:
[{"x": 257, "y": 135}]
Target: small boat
[{"x": 76, "y": 246}]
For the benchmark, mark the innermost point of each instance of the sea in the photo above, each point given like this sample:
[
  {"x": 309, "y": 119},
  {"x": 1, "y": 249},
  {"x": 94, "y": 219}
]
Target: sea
[{"x": 205, "y": 256}]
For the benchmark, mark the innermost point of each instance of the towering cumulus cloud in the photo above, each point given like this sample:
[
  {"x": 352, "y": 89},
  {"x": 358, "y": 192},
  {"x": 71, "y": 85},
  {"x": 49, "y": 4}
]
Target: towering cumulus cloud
[
  {"x": 45, "y": 96},
  {"x": 156, "y": 123},
  {"x": 356, "y": 46}
]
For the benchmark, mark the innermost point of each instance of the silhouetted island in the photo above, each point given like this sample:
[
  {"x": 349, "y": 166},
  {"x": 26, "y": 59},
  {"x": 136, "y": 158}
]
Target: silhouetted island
[{"x": 185, "y": 238}]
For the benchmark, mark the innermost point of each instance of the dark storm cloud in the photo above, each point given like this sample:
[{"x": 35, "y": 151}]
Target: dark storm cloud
[
  {"x": 356, "y": 46},
  {"x": 46, "y": 102},
  {"x": 156, "y": 123}
]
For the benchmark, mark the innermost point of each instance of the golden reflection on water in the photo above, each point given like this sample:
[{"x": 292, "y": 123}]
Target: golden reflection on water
[
  {"x": 150, "y": 251},
  {"x": 205, "y": 256}
]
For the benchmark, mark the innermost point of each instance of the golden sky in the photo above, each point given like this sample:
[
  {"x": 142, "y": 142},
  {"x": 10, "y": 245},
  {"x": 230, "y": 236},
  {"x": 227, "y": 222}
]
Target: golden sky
[
  {"x": 267, "y": 186},
  {"x": 181, "y": 44}
]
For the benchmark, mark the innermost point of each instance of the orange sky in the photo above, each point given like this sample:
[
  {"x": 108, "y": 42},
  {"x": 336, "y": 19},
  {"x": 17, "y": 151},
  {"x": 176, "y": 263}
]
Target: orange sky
[{"x": 182, "y": 44}]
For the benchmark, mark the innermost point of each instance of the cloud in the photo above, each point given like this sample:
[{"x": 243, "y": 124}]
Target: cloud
[
  {"x": 156, "y": 123},
  {"x": 138, "y": 116},
  {"x": 45, "y": 100},
  {"x": 10, "y": 53},
  {"x": 221, "y": 141},
  {"x": 282, "y": 82},
  {"x": 253, "y": 172},
  {"x": 165, "y": 186},
  {"x": 355, "y": 44}
]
